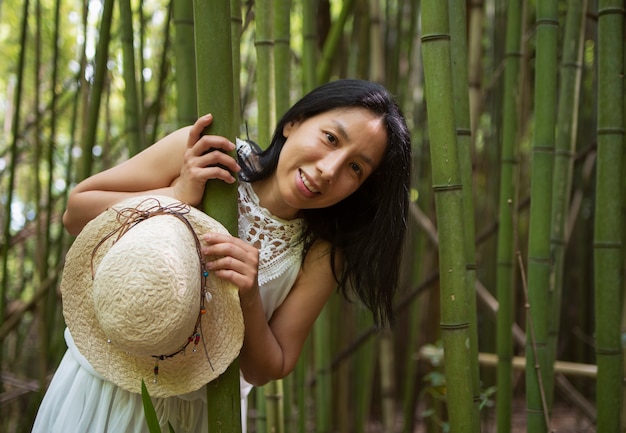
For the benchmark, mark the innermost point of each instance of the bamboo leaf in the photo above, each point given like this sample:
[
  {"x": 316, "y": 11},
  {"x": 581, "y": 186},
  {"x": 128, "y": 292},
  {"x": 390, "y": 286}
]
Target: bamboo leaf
[{"x": 148, "y": 408}]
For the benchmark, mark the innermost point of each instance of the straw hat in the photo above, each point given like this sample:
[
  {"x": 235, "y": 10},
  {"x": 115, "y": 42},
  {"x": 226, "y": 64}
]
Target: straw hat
[{"x": 139, "y": 304}]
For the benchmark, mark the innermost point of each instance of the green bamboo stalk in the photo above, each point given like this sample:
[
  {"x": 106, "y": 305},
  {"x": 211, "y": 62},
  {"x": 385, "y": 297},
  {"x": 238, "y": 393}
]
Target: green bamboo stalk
[
  {"x": 448, "y": 191},
  {"x": 309, "y": 58},
  {"x": 236, "y": 24},
  {"x": 464, "y": 133},
  {"x": 331, "y": 46},
  {"x": 259, "y": 408},
  {"x": 301, "y": 390},
  {"x": 162, "y": 79},
  {"x": 13, "y": 165},
  {"x": 184, "y": 49},
  {"x": 281, "y": 15},
  {"x": 273, "y": 395},
  {"x": 608, "y": 225},
  {"x": 387, "y": 380},
  {"x": 565, "y": 147},
  {"x": 52, "y": 304},
  {"x": 309, "y": 45},
  {"x": 505, "y": 253},
  {"x": 39, "y": 254},
  {"x": 376, "y": 48},
  {"x": 282, "y": 54},
  {"x": 321, "y": 356},
  {"x": 475, "y": 61},
  {"x": 102, "y": 57},
  {"x": 264, "y": 44},
  {"x": 539, "y": 255},
  {"x": 364, "y": 366},
  {"x": 394, "y": 42},
  {"x": 415, "y": 315},
  {"x": 360, "y": 59},
  {"x": 132, "y": 106},
  {"x": 403, "y": 94},
  {"x": 215, "y": 95}
]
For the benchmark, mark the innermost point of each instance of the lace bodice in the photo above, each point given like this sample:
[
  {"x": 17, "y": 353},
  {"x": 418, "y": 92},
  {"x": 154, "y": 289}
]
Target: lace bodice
[{"x": 278, "y": 240}]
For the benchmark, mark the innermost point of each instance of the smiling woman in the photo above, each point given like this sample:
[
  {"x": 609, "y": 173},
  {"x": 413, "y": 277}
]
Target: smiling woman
[
  {"x": 324, "y": 206},
  {"x": 325, "y": 159}
]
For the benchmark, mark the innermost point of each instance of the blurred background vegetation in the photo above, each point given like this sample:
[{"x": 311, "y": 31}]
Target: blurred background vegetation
[{"x": 86, "y": 84}]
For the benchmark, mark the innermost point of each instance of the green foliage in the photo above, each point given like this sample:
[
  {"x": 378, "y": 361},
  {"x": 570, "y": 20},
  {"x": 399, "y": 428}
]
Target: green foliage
[{"x": 148, "y": 408}]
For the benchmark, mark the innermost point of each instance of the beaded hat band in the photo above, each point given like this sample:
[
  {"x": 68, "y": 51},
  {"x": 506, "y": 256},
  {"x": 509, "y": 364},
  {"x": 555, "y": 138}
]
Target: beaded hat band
[{"x": 136, "y": 297}]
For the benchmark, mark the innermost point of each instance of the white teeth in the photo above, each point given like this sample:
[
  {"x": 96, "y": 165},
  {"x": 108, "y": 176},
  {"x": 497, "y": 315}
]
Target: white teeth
[{"x": 306, "y": 183}]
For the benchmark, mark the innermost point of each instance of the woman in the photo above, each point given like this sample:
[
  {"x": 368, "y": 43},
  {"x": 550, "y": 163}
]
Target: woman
[{"x": 324, "y": 206}]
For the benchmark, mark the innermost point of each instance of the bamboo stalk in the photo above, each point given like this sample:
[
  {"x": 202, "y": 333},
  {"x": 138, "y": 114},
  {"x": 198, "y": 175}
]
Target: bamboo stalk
[
  {"x": 565, "y": 146},
  {"x": 608, "y": 225},
  {"x": 333, "y": 41},
  {"x": 13, "y": 166},
  {"x": 282, "y": 55},
  {"x": 464, "y": 133},
  {"x": 236, "y": 24},
  {"x": 93, "y": 113},
  {"x": 132, "y": 106},
  {"x": 264, "y": 44},
  {"x": 364, "y": 366},
  {"x": 162, "y": 80},
  {"x": 476, "y": 16},
  {"x": 376, "y": 51},
  {"x": 309, "y": 45},
  {"x": 215, "y": 95},
  {"x": 185, "y": 60},
  {"x": 447, "y": 186},
  {"x": 539, "y": 253},
  {"x": 519, "y": 363},
  {"x": 505, "y": 276},
  {"x": 321, "y": 355}
]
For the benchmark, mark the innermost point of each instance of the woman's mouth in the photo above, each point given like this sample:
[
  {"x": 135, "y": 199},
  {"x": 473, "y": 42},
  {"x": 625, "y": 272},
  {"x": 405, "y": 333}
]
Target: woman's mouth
[{"x": 308, "y": 184}]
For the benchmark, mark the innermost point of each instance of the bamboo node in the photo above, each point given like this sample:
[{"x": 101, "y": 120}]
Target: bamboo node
[
  {"x": 435, "y": 37},
  {"x": 610, "y": 131},
  {"x": 450, "y": 187},
  {"x": 610, "y": 11},
  {"x": 547, "y": 22}
]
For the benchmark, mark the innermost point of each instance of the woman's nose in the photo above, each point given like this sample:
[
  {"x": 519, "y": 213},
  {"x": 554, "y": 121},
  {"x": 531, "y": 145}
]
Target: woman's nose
[{"x": 329, "y": 166}]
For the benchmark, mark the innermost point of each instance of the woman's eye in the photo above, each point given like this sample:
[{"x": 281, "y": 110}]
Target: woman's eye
[
  {"x": 331, "y": 138},
  {"x": 356, "y": 168}
]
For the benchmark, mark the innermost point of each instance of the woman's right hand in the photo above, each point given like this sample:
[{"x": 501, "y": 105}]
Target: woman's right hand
[{"x": 206, "y": 157}]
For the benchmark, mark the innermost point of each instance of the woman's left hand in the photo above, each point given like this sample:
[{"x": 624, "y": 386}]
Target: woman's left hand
[{"x": 233, "y": 260}]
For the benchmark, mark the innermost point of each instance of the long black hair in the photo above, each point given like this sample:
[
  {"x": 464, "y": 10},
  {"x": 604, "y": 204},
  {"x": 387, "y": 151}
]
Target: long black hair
[{"x": 368, "y": 226}]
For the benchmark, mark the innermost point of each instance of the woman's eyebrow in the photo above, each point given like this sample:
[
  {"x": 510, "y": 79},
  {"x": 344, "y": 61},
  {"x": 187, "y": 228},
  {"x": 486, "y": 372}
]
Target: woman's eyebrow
[
  {"x": 344, "y": 133},
  {"x": 341, "y": 129}
]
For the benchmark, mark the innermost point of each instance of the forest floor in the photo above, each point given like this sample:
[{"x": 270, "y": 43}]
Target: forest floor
[{"x": 564, "y": 419}]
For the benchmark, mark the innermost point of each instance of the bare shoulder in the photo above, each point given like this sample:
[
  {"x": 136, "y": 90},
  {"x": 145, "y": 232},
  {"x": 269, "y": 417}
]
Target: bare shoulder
[{"x": 317, "y": 269}]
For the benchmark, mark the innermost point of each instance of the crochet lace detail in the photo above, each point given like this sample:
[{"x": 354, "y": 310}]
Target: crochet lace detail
[{"x": 278, "y": 240}]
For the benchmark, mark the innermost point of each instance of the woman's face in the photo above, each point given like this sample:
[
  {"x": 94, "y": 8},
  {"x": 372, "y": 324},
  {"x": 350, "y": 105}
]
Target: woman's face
[{"x": 326, "y": 158}]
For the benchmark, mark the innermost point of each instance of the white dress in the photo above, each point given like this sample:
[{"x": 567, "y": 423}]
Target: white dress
[{"x": 78, "y": 400}]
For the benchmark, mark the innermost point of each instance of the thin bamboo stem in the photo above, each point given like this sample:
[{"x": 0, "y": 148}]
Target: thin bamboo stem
[{"x": 533, "y": 345}]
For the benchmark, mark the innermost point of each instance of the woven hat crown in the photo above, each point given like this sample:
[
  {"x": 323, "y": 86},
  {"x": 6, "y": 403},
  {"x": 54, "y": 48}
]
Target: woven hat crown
[
  {"x": 147, "y": 286},
  {"x": 138, "y": 303}
]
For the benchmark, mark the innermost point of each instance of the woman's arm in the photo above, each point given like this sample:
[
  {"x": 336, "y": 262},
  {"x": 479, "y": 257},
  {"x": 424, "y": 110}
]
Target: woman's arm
[
  {"x": 270, "y": 350},
  {"x": 177, "y": 166}
]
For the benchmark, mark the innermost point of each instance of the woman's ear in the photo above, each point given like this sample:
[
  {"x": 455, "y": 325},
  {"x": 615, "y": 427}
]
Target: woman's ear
[{"x": 287, "y": 128}]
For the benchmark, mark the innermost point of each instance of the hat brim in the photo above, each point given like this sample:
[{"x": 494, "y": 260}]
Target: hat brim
[{"x": 222, "y": 326}]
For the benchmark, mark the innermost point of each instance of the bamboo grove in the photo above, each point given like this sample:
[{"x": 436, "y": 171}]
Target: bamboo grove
[{"x": 511, "y": 315}]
